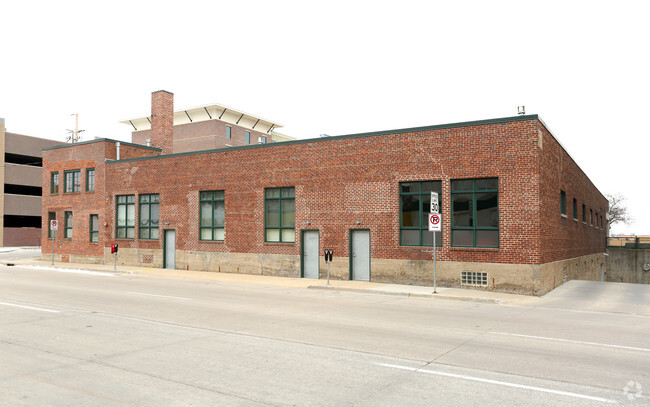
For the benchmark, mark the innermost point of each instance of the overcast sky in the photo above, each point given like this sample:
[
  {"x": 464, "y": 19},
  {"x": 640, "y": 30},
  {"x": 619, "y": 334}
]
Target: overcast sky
[{"x": 342, "y": 67}]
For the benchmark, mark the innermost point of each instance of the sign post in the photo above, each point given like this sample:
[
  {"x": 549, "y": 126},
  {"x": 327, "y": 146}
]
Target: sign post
[
  {"x": 435, "y": 225},
  {"x": 54, "y": 225}
]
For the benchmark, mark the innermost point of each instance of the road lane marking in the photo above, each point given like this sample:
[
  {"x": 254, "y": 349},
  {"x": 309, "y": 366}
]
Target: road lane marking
[
  {"x": 500, "y": 383},
  {"x": 607, "y": 345},
  {"x": 162, "y": 296},
  {"x": 26, "y": 307}
]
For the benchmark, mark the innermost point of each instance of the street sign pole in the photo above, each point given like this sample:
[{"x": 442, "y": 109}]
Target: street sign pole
[
  {"x": 53, "y": 227},
  {"x": 435, "y": 209},
  {"x": 434, "y": 263}
]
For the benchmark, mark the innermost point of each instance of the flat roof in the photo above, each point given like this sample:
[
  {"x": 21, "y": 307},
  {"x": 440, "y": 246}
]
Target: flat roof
[{"x": 325, "y": 139}]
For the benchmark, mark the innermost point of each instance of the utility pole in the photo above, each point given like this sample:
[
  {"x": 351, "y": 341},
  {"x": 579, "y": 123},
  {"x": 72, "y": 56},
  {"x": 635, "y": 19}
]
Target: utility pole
[
  {"x": 74, "y": 138},
  {"x": 76, "y": 128}
]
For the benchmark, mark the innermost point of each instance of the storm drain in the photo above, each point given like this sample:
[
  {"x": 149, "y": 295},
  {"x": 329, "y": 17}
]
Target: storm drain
[{"x": 473, "y": 278}]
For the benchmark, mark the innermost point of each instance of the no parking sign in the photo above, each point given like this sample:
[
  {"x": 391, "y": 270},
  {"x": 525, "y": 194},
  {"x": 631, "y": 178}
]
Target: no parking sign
[{"x": 435, "y": 222}]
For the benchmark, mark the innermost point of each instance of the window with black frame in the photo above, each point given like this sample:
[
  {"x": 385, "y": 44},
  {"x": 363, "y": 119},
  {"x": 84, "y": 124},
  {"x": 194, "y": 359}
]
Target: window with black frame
[
  {"x": 475, "y": 212},
  {"x": 414, "y": 205}
]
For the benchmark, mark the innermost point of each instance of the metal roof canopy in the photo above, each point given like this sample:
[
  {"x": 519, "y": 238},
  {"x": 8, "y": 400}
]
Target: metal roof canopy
[{"x": 210, "y": 112}]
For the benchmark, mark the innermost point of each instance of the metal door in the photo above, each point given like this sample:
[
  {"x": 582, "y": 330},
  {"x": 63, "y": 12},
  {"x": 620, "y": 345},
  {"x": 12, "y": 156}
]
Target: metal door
[
  {"x": 360, "y": 255},
  {"x": 310, "y": 254},
  {"x": 602, "y": 272},
  {"x": 169, "y": 255}
]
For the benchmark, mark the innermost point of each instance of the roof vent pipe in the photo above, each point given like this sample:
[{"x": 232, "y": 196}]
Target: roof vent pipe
[
  {"x": 521, "y": 109},
  {"x": 117, "y": 148}
]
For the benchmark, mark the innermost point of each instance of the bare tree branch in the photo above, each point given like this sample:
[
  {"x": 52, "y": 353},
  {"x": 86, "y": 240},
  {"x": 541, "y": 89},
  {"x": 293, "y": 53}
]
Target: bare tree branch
[{"x": 617, "y": 210}]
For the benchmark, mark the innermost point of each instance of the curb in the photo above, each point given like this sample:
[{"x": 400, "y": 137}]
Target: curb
[{"x": 406, "y": 294}]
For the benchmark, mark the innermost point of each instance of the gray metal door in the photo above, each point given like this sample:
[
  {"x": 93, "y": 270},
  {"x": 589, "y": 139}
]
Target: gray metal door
[
  {"x": 170, "y": 249},
  {"x": 360, "y": 253},
  {"x": 602, "y": 272},
  {"x": 310, "y": 254}
]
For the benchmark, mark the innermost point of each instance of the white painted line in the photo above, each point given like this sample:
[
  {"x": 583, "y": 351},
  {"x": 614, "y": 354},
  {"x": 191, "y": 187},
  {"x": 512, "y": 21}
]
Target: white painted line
[
  {"x": 26, "y": 307},
  {"x": 607, "y": 345},
  {"x": 162, "y": 296},
  {"x": 75, "y": 271},
  {"x": 500, "y": 383}
]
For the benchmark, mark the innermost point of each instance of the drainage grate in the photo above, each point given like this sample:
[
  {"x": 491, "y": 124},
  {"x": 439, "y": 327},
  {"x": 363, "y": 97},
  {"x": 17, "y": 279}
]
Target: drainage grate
[{"x": 473, "y": 278}]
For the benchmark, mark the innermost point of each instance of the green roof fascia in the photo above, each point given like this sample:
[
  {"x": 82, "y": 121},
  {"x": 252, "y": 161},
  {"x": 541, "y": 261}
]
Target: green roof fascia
[
  {"x": 346, "y": 136},
  {"x": 124, "y": 143}
]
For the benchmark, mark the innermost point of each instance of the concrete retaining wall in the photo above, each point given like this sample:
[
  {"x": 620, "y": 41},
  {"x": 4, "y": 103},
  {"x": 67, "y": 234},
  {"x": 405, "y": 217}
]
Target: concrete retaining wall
[{"x": 626, "y": 265}]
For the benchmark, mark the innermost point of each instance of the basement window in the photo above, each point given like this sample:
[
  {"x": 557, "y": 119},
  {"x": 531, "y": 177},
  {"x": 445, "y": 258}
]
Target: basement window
[{"x": 473, "y": 278}]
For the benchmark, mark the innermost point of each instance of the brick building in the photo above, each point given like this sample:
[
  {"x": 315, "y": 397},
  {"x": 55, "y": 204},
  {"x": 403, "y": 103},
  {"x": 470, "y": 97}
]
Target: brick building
[
  {"x": 518, "y": 213},
  {"x": 200, "y": 128}
]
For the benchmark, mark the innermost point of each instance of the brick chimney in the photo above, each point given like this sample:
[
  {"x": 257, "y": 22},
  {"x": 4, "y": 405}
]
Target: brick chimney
[{"x": 162, "y": 121}]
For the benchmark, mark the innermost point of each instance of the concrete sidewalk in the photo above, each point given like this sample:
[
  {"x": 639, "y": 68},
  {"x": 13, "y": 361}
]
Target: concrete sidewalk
[{"x": 340, "y": 285}]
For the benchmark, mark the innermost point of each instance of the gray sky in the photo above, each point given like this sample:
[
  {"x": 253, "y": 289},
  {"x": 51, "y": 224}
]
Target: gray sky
[{"x": 341, "y": 67}]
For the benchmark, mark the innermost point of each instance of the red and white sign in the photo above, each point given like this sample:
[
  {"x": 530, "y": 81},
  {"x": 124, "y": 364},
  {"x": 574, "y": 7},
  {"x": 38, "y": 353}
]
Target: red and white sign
[
  {"x": 435, "y": 222},
  {"x": 54, "y": 225}
]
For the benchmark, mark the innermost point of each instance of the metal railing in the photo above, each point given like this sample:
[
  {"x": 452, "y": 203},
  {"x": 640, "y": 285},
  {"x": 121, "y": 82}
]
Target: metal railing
[{"x": 629, "y": 242}]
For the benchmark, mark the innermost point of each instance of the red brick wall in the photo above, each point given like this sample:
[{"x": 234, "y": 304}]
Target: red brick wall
[
  {"x": 162, "y": 121},
  {"x": 205, "y": 135},
  {"x": 352, "y": 183},
  {"x": 564, "y": 237},
  {"x": 340, "y": 182},
  {"x": 80, "y": 157}
]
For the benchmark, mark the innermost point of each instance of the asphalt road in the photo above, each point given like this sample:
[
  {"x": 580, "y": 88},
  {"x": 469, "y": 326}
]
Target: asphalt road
[{"x": 99, "y": 339}]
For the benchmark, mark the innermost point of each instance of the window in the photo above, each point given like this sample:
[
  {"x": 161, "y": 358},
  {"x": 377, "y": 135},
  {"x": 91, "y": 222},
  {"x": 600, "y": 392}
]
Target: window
[
  {"x": 473, "y": 278},
  {"x": 68, "y": 225},
  {"x": 94, "y": 228},
  {"x": 591, "y": 217},
  {"x": 149, "y": 216},
  {"x": 247, "y": 137},
  {"x": 475, "y": 212},
  {"x": 125, "y": 225},
  {"x": 90, "y": 179},
  {"x": 71, "y": 181},
  {"x": 262, "y": 140},
  {"x": 280, "y": 215},
  {"x": 415, "y": 204},
  {"x": 584, "y": 213},
  {"x": 228, "y": 132},
  {"x": 50, "y": 217},
  {"x": 212, "y": 214},
  {"x": 563, "y": 203},
  {"x": 54, "y": 183}
]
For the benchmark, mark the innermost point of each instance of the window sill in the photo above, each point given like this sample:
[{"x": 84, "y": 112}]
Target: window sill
[
  {"x": 475, "y": 249},
  {"x": 211, "y": 241},
  {"x": 428, "y": 246},
  {"x": 564, "y": 216}
]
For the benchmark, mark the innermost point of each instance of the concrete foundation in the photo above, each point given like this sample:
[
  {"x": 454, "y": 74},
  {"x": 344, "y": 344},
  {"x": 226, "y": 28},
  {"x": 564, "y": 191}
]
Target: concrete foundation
[{"x": 516, "y": 278}]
